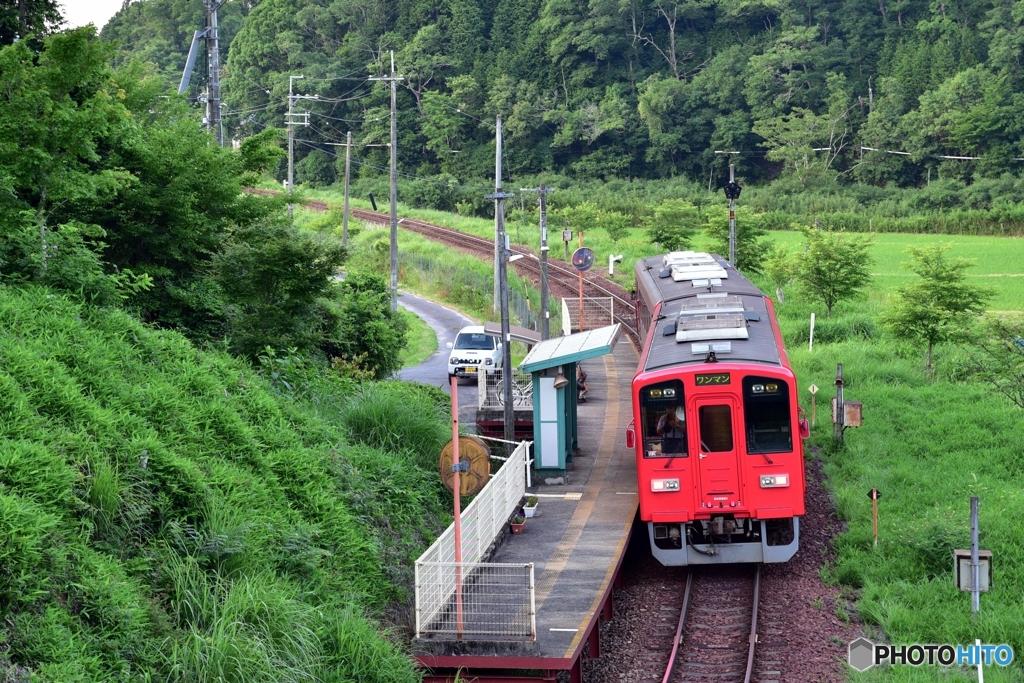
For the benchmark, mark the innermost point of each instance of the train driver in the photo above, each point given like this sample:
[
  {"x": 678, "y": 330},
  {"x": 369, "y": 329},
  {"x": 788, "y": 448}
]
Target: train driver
[{"x": 672, "y": 430}]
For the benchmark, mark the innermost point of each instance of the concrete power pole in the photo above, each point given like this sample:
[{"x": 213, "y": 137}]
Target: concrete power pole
[
  {"x": 499, "y": 197},
  {"x": 394, "y": 190},
  {"x": 348, "y": 168},
  {"x": 545, "y": 327},
  {"x": 545, "y": 315},
  {"x": 394, "y": 180},
  {"x": 213, "y": 121},
  {"x": 291, "y": 141}
]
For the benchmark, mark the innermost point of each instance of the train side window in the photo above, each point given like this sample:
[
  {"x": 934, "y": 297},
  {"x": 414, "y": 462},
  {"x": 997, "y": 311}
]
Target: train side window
[
  {"x": 715, "y": 428},
  {"x": 767, "y": 416},
  {"x": 663, "y": 420}
]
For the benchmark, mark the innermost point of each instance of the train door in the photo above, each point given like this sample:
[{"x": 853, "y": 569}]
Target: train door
[{"x": 718, "y": 457}]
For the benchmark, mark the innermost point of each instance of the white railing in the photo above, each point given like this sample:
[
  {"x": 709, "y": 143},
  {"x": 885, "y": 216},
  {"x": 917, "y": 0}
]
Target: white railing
[
  {"x": 491, "y": 391},
  {"x": 596, "y": 312},
  {"x": 483, "y": 521},
  {"x": 496, "y": 603}
]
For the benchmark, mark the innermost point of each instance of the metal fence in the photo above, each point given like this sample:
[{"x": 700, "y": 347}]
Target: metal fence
[
  {"x": 590, "y": 314},
  {"x": 491, "y": 390},
  {"x": 496, "y": 602},
  {"x": 437, "y": 575}
]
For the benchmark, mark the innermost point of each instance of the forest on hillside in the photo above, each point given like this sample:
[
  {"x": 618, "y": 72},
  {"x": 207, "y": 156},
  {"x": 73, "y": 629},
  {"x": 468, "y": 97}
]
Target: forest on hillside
[{"x": 805, "y": 89}]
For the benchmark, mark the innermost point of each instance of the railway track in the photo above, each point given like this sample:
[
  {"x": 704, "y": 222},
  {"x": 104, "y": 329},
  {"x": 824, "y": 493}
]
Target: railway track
[
  {"x": 563, "y": 279},
  {"x": 708, "y": 632}
]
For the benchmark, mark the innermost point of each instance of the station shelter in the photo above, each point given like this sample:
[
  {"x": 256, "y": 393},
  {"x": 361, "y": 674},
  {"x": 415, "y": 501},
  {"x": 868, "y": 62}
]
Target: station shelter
[{"x": 552, "y": 366}]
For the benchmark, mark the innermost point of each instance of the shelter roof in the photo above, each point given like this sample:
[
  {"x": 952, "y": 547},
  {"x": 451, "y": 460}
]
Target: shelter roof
[{"x": 572, "y": 348}]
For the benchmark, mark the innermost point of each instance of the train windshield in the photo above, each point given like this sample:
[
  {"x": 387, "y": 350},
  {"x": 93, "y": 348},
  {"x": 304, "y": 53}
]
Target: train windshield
[
  {"x": 663, "y": 420},
  {"x": 767, "y": 415}
]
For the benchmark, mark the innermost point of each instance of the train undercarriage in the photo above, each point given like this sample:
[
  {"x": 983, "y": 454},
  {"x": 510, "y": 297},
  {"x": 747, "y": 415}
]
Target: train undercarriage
[{"x": 724, "y": 539}]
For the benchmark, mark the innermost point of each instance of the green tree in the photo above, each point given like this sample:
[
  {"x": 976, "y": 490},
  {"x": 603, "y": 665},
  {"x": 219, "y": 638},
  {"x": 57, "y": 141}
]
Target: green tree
[
  {"x": 616, "y": 224},
  {"x": 673, "y": 224},
  {"x": 370, "y": 335},
  {"x": 779, "y": 268},
  {"x": 272, "y": 278},
  {"x": 20, "y": 18},
  {"x": 835, "y": 266},
  {"x": 57, "y": 112},
  {"x": 939, "y": 306},
  {"x": 750, "y": 242},
  {"x": 997, "y": 357}
]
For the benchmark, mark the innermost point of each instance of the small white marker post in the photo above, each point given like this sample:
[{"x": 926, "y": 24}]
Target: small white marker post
[
  {"x": 813, "y": 389},
  {"x": 810, "y": 341},
  {"x": 981, "y": 658}
]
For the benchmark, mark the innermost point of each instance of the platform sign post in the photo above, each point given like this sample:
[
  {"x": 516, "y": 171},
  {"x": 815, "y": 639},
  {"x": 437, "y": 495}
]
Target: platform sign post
[
  {"x": 456, "y": 495},
  {"x": 814, "y": 390},
  {"x": 874, "y": 495}
]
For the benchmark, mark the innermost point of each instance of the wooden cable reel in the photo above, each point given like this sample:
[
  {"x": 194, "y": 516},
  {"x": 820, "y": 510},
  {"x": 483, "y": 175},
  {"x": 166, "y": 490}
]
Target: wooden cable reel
[{"x": 473, "y": 451}]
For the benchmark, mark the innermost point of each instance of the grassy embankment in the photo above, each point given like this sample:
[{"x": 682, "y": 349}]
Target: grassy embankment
[
  {"x": 927, "y": 444},
  {"x": 168, "y": 514}
]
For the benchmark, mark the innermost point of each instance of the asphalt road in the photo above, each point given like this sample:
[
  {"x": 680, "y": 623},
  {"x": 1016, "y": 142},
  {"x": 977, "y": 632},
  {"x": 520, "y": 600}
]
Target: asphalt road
[{"x": 434, "y": 371}]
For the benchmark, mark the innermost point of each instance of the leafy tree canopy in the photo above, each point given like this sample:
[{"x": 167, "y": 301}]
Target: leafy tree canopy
[{"x": 835, "y": 266}]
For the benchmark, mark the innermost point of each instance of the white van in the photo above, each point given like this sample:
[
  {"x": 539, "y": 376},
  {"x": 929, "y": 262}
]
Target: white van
[{"x": 472, "y": 352}]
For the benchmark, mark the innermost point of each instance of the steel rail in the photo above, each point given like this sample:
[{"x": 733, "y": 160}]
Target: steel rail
[
  {"x": 569, "y": 277},
  {"x": 679, "y": 630},
  {"x": 753, "y": 626}
]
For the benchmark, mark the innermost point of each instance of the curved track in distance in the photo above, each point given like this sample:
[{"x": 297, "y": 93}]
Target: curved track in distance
[{"x": 563, "y": 279}]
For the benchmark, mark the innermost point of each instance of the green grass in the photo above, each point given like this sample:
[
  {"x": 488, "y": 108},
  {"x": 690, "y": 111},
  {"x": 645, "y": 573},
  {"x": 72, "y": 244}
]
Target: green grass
[
  {"x": 420, "y": 340},
  {"x": 928, "y": 446},
  {"x": 167, "y": 514},
  {"x": 999, "y": 262}
]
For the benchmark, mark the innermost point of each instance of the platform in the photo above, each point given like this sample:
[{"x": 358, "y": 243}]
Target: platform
[{"x": 576, "y": 541}]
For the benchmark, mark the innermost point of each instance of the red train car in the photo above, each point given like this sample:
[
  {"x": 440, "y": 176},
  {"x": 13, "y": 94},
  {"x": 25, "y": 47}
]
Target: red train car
[{"x": 716, "y": 423}]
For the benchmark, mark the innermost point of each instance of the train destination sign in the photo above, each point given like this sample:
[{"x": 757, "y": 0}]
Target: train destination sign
[{"x": 712, "y": 379}]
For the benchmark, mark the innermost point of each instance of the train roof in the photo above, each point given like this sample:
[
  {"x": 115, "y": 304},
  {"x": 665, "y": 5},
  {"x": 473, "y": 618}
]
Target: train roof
[{"x": 708, "y": 305}]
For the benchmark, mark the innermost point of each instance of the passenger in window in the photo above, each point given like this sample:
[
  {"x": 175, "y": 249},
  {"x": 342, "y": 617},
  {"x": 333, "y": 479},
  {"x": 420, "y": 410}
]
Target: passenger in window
[{"x": 672, "y": 430}]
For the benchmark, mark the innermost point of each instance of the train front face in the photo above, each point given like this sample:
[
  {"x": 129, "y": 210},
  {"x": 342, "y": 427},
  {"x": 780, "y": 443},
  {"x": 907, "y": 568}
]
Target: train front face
[{"x": 719, "y": 463}]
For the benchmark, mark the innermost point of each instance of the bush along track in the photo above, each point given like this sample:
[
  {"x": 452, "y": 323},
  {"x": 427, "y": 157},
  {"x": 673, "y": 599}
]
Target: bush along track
[{"x": 166, "y": 514}]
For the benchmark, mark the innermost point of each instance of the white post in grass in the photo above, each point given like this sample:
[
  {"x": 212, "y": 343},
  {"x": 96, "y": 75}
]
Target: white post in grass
[{"x": 810, "y": 342}]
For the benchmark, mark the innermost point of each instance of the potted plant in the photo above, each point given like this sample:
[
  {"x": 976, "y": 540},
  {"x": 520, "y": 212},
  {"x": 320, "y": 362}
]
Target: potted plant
[
  {"x": 518, "y": 522},
  {"x": 531, "y": 506}
]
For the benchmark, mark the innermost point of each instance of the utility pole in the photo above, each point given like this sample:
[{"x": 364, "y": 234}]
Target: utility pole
[
  {"x": 213, "y": 59},
  {"x": 732, "y": 193},
  {"x": 499, "y": 197},
  {"x": 209, "y": 33},
  {"x": 291, "y": 142},
  {"x": 348, "y": 167},
  {"x": 732, "y": 218},
  {"x": 394, "y": 182},
  {"x": 545, "y": 326},
  {"x": 498, "y": 223}
]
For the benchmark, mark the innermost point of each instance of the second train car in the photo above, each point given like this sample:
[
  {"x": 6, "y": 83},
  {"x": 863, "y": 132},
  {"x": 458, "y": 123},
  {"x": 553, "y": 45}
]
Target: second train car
[{"x": 716, "y": 424}]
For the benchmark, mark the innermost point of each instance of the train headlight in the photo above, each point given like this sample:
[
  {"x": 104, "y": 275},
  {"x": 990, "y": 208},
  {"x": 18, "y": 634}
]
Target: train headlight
[
  {"x": 658, "y": 485},
  {"x": 774, "y": 481}
]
